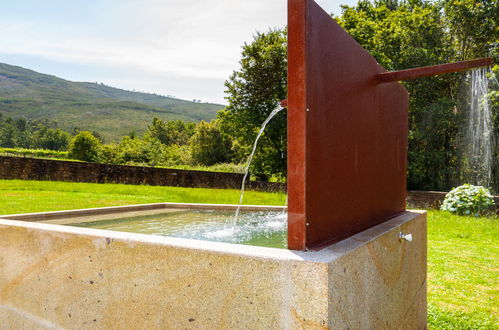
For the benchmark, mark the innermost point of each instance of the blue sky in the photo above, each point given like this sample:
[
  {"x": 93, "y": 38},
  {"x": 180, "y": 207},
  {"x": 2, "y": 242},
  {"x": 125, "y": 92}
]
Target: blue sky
[{"x": 185, "y": 48}]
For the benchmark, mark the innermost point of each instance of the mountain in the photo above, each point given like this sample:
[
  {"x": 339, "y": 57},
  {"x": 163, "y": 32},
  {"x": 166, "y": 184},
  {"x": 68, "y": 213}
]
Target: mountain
[{"x": 110, "y": 111}]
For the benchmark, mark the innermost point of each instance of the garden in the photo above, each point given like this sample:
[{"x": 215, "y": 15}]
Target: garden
[
  {"x": 462, "y": 250},
  {"x": 446, "y": 148}
]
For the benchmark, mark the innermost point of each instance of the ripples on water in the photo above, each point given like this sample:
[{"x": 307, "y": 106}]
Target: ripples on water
[{"x": 253, "y": 228}]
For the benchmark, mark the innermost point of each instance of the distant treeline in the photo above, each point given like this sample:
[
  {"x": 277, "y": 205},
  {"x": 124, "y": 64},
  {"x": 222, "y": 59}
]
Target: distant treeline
[
  {"x": 32, "y": 134},
  {"x": 165, "y": 143}
]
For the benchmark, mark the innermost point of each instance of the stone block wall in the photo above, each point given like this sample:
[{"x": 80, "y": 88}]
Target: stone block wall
[
  {"x": 432, "y": 199},
  {"x": 55, "y": 170}
]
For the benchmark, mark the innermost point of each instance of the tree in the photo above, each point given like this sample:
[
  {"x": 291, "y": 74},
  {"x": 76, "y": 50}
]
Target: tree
[
  {"x": 84, "y": 146},
  {"x": 7, "y": 136},
  {"x": 209, "y": 145},
  {"x": 253, "y": 92},
  {"x": 51, "y": 138},
  {"x": 411, "y": 34},
  {"x": 142, "y": 151},
  {"x": 171, "y": 132},
  {"x": 494, "y": 106},
  {"x": 21, "y": 133},
  {"x": 474, "y": 32},
  {"x": 400, "y": 35},
  {"x": 473, "y": 27},
  {"x": 419, "y": 33}
]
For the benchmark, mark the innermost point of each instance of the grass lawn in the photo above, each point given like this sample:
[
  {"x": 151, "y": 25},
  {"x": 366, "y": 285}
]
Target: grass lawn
[
  {"x": 17, "y": 196},
  {"x": 463, "y": 272},
  {"x": 463, "y": 252}
]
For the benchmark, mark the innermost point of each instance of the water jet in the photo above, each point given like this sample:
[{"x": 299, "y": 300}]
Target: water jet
[{"x": 478, "y": 133}]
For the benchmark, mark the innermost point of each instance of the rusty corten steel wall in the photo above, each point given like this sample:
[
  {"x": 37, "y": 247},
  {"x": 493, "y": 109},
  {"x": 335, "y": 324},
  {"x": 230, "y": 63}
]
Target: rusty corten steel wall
[{"x": 347, "y": 134}]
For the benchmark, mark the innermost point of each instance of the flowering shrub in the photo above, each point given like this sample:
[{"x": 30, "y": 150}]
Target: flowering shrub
[{"x": 468, "y": 200}]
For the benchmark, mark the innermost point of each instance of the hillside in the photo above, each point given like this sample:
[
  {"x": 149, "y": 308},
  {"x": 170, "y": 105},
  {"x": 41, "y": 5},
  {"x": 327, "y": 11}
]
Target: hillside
[{"x": 110, "y": 111}]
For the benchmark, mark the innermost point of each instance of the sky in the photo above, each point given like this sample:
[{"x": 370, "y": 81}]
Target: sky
[{"x": 182, "y": 48}]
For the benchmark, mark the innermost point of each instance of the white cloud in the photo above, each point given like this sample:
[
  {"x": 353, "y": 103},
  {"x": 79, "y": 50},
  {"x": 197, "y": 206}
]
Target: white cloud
[{"x": 155, "y": 40}]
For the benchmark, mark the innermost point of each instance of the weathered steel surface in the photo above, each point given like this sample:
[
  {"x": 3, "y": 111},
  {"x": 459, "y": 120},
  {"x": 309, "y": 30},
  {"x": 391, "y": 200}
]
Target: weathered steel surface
[
  {"x": 297, "y": 104},
  {"x": 433, "y": 70},
  {"x": 347, "y": 134}
]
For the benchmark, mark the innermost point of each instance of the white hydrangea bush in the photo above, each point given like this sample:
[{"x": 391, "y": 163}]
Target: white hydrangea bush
[{"x": 468, "y": 200}]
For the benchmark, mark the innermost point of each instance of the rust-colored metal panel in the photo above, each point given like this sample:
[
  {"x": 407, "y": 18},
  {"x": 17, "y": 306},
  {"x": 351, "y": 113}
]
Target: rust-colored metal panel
[
  {"x": 296, "y": 124},
  {"x": 347, "y": 133}
]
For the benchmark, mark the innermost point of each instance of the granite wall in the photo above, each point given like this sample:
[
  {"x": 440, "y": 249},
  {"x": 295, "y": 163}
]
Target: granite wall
[{"x": 62, "y": 277}]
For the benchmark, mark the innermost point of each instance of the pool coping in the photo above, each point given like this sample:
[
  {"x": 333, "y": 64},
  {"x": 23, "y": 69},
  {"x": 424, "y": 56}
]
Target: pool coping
[
  {"x": 325, "y": 255},
  {"x": 84, "y": 274},
  {"x": 53, "y": 215}
]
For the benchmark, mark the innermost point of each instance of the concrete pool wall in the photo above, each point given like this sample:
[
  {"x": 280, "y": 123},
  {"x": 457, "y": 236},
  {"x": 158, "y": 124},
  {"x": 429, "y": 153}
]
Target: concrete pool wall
[{"x": 54, "y": 276}]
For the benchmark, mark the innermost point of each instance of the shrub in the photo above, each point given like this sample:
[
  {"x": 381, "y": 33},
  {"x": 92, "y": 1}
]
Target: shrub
[
  {"x": 209, "y": 145},
  {"x": 84, "y": 146},
  {"x": 170, "y": 132},
  {"x": 468, "y": 200},
  {"x": 176, "y": 155},
  {"x": 34, "y": 153},
  {"x": 51, "y": 139}
]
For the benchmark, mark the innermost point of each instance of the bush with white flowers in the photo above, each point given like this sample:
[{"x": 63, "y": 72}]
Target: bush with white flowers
[{"x": 468, "y": 200}]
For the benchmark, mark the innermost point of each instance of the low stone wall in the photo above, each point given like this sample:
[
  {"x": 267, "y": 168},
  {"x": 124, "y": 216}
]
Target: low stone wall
[
  {"x": 431, "y": 199},
  {"x": 57, "y": 170},
  {"x": 266, "y": 186},
  {"x": 425, "y": 199}
]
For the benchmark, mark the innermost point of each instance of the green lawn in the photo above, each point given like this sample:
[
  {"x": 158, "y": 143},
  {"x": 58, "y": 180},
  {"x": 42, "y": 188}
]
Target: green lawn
[
  {"x": 463, "y": 252},
  {"x": 463, "y": 271},
  {"x": 17, "y": 196}
]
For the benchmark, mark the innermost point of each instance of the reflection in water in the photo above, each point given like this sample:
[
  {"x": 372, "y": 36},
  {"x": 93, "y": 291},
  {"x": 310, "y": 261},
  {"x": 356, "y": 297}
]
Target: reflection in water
[{"x": 253, "y": 228}]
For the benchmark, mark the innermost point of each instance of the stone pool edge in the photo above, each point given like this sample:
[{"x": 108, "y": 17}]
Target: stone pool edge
[
  {"x": 297, "y": 289},
  {"x": 40, "y": 216}
]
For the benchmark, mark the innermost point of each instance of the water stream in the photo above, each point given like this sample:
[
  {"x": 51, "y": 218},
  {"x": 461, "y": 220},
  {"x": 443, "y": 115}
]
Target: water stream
[
  {"x": 479, "y": 144},
  {"x": 248, "y": 163},
  {"x": 253, "y": 228}
]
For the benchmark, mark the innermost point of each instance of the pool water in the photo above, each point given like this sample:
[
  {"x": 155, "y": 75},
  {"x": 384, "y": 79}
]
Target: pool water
[{"x": 253, "y": 228}]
